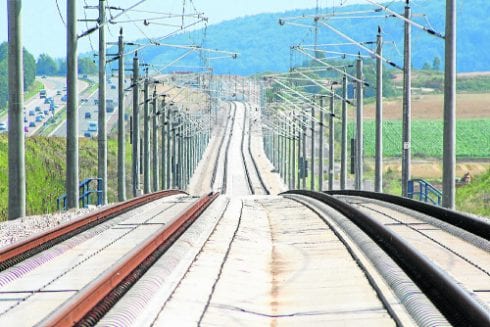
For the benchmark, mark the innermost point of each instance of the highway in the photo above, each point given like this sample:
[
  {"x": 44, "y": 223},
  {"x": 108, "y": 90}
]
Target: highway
[{"x": 88, "y": 113}]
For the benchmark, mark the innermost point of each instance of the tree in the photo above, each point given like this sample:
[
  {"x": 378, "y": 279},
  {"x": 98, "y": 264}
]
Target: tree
[
  {"x": 87, "y": 66},
  {"x": 46, "y": 65},
  {"x": 29, "y": 69},
  {"x": 436, "y": 64},
  {"x": 426, "y": 66}
]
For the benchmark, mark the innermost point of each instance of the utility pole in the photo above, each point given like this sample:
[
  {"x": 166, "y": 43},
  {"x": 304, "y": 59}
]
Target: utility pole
[
  {"x": 155, "y": 142},
  {"x": 359, "y": 125},
  {"x": 378, "y": 165},
  {"x": 407, "y": 102},
  {"x": 320, "y": 143},
  {"x": 295, "y": 169},
  {"x": 16, "y": 149},
  {"x": 146, "y": 136},
  {"x": 71, "y": 107},
  {"x": 305, "y": 166},
  {"x": 164, "y": 143},
  {"x": 121, "y": 137},
  {"x": 169, "y": 156},
  {"x": 312, "y": 163},
  {"x": 331, "y": 146},
  {"x": 343, "y": 150},
  {"x": 449, "y": 154},
  {"x": 136, "y": 127},
  {"x": 102, "y": 133}
]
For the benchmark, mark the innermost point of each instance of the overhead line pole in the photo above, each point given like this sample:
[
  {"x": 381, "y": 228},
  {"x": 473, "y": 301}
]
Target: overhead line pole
[
  {"x": 136, "y": 127},
  {"x": 378, "y": 165},
  {"x": 321, "y": 144},
  {"x": 121, "y": 136},
  {"x": 16, "y": 138},
  {"x": 343, "y": 150},
  {"x": 72, "y": 191},
  {"x": 331, "y": 145},
  {"x": 449, "y": 154},
  {"x": 359, "y": 128},
  {"x": 407, "y": 102},
  {"x": 146, "y": 136},
  {"x": 102, "y": 132},
  {"x": 156, "y": 167},
  {"x": 164, "y": 143}
]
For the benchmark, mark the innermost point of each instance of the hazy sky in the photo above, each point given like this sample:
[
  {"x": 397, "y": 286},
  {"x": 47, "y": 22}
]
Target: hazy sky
[{"x": 44, "y": 31}]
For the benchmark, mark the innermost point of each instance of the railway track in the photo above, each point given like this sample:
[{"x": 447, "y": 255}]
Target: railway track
[
  {"x": 449, "y": 264},
  {"x": 301, "y": 258},
  {"x": 81, "y": 275}
]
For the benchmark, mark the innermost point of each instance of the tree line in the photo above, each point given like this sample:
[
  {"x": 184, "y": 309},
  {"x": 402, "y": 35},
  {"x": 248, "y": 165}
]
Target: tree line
[{"x": 45, "y": 65}]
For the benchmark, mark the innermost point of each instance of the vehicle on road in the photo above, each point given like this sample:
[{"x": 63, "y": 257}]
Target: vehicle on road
[
  {"x": 39, "y": 119},
  {"x": 25, "y": 119},
  {"x": 45, "y": 112},
  {"x": 31, "y": 113},
  {"x": 37, "y": 108},
  {"x": 58, "y": 92},
  {"x": 64, "y": 98},
  {"x": 88, "y": 115},
  {"x": 3, "y": 127},
  {"x": 113, "y": 87},
  {"x": 87, "y": 134},
  {"x": 42, "y": 94},
  {"x": 26, "y": 129},
  {"x": 92, "y": 126},
  {"x": 32, "y": 124}
]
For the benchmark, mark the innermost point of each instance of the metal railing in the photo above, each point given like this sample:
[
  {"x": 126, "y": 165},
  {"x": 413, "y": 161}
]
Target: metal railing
[
  {"x": 422, "y": 190},
  {"x": 87, "y": 192}
]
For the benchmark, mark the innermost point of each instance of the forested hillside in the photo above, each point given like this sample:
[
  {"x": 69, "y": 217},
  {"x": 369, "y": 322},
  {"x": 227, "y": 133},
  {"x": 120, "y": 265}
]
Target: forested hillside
[{"x": 264, "y": 45}]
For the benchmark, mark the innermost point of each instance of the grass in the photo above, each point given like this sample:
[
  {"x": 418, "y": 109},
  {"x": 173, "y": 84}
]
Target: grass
[
  {"x": 475, "y": 197},
  {"x": 45, "y": 166},
  {"x": 472, "y": 139}
]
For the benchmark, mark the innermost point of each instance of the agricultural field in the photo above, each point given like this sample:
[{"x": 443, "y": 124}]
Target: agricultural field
[{"x": 473, "y": 138}]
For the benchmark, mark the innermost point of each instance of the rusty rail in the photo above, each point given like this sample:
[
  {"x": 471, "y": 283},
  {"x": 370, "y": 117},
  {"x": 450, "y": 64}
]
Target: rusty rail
[
  {"x": 86, "y": 301},
  {"x": 22, "y": 250}
]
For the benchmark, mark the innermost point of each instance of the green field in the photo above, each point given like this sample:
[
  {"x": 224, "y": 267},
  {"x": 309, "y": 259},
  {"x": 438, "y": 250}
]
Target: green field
[
  {"x": 472, "y": 141},
  {"x": 45, "y": 166}
]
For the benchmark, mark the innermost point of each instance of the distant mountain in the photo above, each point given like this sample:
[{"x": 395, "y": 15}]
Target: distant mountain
[{"x": 264, "y": 45}]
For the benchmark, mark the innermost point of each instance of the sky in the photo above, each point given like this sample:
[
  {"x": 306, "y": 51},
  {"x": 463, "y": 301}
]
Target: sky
[{"x": 43, "y": 29}]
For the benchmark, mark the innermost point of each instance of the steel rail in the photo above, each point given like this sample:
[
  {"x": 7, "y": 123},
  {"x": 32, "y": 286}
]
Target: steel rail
[
  {"x": 220, "y": 149},
  {"x": 470, "y": 224},
  {"x": 454, "y": 302},
  {"x": 251, "y": 188},
  {"x": 22, "y": 250},
  {"x": 225, "y": 164},
  {"x": 86, "y": 301},
  {"x": 254, "y": 162}
]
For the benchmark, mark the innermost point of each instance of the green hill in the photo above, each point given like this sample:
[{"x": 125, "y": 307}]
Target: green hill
[
  {"x": 264, "y": 45},
  {"x": 45, "y": 166}
]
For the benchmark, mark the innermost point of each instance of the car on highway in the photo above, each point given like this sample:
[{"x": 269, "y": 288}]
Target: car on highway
[
  {"x": 32, "y": 113},
  {"x": 39, "y": 119},
  {"x": 113, "y": 87},
  {"x": 26, "y": 129},
  {"x": 58, "y": 92},
  {"x": 25, "y": 119},
  {"x": 87, "y": 134},
  {"x": 64, "y": 98},
  {"x": 37, "y": 108},
  {"x": 92, "y": 126},
  {"x": 32, "y": 124},
  {"x": 42, "y": 94},
  {"x": 88, "y": 115},
  {"x": 3, "y": 127},
  {"x": 45, "y": 112}
]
